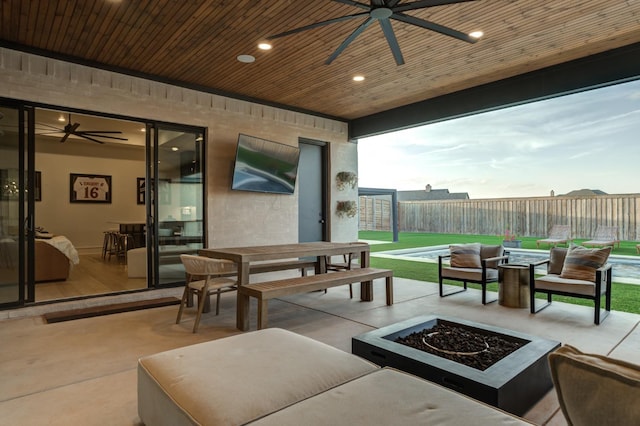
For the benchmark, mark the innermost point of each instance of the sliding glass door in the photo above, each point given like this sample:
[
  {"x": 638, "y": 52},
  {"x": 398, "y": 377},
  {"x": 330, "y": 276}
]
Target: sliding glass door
[
  {"x": 178, "y": 194},
  {"x": 16, "y": 206}
]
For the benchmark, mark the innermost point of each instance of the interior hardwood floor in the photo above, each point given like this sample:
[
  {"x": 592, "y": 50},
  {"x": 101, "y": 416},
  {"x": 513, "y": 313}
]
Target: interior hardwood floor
[{"x": 91, "y": 276}]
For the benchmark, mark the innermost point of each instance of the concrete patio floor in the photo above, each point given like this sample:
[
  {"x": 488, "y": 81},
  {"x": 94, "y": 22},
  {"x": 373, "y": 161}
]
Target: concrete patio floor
[{"x": 84, "y": 371}]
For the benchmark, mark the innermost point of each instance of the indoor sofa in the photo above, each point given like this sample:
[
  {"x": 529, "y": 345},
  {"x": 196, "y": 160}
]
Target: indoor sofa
[
  {"x": 50, "y": 263},
  {"x": 276, "y": 377}
]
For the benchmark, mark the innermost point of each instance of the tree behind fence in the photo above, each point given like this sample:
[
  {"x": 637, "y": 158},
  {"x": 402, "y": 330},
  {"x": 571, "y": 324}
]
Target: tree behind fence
[{"x": 532, "y": 217}]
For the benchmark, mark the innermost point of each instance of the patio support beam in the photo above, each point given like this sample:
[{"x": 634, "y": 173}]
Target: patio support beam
[{"x": 613, "y": 66}]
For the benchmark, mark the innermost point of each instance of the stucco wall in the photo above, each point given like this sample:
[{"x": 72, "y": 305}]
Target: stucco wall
[{"x": 235, "y": 218}]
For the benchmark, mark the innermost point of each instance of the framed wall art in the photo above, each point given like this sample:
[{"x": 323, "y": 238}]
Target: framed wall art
[
  {"x": 164, "y": 190},
  {"x": 89, "y": 188},
  {"x": 141, "y": 190}
]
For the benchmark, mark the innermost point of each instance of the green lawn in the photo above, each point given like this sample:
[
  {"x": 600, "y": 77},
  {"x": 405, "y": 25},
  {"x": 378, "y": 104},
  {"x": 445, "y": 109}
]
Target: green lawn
[{"x": 624, "y": 297}]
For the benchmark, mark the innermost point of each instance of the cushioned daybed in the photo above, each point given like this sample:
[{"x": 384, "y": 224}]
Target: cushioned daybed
[{"x": 276, "y": 377}]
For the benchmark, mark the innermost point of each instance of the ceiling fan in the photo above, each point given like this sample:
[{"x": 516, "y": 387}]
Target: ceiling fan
[
  {"x": 384, "y": 11},
  {"x": 72, "y": 129}
]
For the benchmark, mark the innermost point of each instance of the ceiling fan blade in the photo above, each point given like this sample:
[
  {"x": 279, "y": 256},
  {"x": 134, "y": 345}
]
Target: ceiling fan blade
[
  {"x": 421, "y": 4},
  {"x": 98, "y": 135},
  {"x": 434, "y": 27},
  {"x": 69, "y": 129},
  {"x": 52, "y": 132},
  {"x": 50, "y": 126},
  {"x": 95, "y": 132},
  {"x": 355, "y": 3},
  {"x": 387, "y": 29},
  {"x": 90, "y": 138},
  {"x": 349, "y": 39},
  {"x": 318, "y": 24}
]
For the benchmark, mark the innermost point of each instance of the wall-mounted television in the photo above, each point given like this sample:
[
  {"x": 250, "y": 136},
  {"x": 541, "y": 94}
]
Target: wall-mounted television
[{"x": 265, "y": 166}]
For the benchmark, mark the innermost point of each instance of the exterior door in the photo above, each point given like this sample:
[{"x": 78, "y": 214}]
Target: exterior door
[
  {"x": 177, "y": 209},
  {"x": 16, "y": 206},
  {"x": 312, "y": 191}
]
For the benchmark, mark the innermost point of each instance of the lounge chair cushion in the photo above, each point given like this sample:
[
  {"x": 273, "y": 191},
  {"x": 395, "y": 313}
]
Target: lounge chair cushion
[
  {"x": 556, "y": 256},
  {"x": 469, "y": 274},
  {"x": 581, "y": 263},
  {"x": 567, "y": 285},
  {"x": 465, "y": 255},
  {"x": 595, "y": 389}
]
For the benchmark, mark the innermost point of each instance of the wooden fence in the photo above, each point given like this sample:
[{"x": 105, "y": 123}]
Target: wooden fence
[
  {"x": 532, "y": 217},
  {"x": 375, "y": 214}
]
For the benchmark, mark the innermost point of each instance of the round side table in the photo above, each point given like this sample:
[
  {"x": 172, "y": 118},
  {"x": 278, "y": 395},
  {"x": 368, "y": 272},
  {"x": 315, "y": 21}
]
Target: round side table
[{"x": 513, "y": 285}]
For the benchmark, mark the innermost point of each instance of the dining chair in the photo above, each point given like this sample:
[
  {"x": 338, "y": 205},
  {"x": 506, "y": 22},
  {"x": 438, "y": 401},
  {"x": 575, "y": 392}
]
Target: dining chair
[
  {"x": 206, "y": 276},
  {"x": 346, "y": 265}
]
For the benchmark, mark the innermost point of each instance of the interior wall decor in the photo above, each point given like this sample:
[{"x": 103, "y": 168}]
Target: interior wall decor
[
  {"x": 141, "y": 190},
  {"x": 84, "y": 188},
  {"x": 8, "y": 185},
  {"x": 164, "y": 190}
]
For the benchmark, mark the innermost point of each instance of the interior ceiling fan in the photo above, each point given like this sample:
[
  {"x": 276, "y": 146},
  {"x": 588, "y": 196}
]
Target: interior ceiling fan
[
  {"x": 72, "y": 129},
  {"x": 383, "y": 11}
]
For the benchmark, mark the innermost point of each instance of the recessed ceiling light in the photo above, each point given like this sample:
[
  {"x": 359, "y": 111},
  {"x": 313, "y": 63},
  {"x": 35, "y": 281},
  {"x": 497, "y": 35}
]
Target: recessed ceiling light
[
  {"x": 476, "y": 34},
  {"x": 358, "y": 78},
  {"x": 264, "y": 46},
  {"x": 174, "y": 148},
  {"x": 247, "y": 59},
  {"x": 61, "y": 118},
  {"x": 143, "y": 129}
]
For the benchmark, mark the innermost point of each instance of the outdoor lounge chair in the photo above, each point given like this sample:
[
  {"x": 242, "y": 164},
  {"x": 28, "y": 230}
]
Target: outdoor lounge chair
[
  {"x": 575, "y": 272},
  {"x": 473, "y": 263},
  {"x": 605, "y": 236},
  {"x": 560, "y": 234}
]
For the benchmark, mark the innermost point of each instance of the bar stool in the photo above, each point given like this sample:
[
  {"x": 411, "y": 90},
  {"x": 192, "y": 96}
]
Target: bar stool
[
  {"x": 123, "y": 243},
  {"x": 108, "y": 243}
]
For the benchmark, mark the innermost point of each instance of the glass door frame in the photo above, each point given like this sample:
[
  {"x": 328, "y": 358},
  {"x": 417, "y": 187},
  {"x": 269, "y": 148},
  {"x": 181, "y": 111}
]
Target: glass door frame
[
  {"x": 152, "y": 193},
  {"x": 25, "y": 162}
]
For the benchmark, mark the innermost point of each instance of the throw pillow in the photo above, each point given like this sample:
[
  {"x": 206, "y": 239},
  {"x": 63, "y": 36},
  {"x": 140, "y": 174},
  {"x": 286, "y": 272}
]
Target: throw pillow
[
  {"x": 556, "y": 256},
  {"x": 595, "y": 389},
  {"x": 581, "y": 263},
  {"x": 465, "y": 255},
  {"x": 487, "y": 252}
]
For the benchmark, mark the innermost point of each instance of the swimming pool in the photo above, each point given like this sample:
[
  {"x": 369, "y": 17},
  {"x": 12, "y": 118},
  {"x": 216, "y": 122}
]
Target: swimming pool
[{"x": 626, "y": 269}]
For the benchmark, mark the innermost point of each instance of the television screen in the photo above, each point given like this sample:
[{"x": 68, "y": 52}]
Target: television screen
[{"x": 265, "y": 166}]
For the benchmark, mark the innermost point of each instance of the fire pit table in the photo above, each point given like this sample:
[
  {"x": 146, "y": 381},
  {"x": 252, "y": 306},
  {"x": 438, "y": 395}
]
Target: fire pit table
[{"x": 513, "y": 383}]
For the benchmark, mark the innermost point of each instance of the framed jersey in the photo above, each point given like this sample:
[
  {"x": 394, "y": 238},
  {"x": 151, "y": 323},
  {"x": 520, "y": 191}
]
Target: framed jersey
[{"x": 90, "y": 188}]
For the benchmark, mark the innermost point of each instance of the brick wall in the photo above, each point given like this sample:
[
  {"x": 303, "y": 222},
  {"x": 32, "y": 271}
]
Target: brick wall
[{"x": 235, "y": 218}]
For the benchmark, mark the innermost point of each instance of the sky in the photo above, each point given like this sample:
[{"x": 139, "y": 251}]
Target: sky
[{"x": 588, "y": 140}]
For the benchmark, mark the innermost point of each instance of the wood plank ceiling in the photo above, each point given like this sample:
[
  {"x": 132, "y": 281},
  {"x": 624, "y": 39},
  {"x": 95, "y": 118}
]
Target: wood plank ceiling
[{"x": 196, "y": 42}]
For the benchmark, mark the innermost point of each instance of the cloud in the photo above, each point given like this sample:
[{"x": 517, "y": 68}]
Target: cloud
[{"x": 525, "y": 150}]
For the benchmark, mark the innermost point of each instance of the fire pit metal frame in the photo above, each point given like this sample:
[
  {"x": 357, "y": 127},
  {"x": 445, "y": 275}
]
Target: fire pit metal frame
[{"x": 513, "y": 384}]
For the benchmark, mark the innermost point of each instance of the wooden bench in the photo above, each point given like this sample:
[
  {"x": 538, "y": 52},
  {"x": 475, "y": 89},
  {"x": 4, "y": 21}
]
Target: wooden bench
[
  {"x": 285, "y": 287},
  {"x": 302, "y": 264}
]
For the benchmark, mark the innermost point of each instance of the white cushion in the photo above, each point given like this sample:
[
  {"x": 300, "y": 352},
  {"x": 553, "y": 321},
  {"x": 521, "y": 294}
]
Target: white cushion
[
  {"x": 555, "y": 282},
  {"x": 469, "y": 274},
  {"x": 137, "y": 262},
  {"x": 240, "y": 378},
  {"x": 390, "y": 397}
]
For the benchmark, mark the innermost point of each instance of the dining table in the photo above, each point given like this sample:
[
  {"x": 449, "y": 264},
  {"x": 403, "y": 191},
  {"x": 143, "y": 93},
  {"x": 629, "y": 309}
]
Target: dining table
[{"x": 245, "y": 256}]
